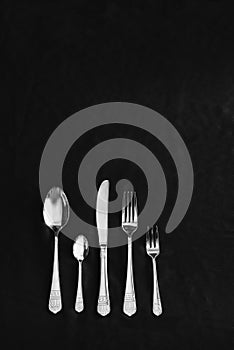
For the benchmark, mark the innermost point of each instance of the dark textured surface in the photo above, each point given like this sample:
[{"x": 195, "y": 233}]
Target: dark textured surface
[{"x": 175, "y": 57}]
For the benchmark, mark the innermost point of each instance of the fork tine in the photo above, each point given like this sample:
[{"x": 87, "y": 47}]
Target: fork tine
[
  {"x": 131, "y": 207},
  {"x": 135, "y": 206},
  {"x": 127, "y": 207},
  {"x": 156, "y": 237},
  {"x": 147, "y": 238},
  {"x": 156, "y": 231},
  {"x": 152, "y": 237},
  {"x": 124, "y": 207}
]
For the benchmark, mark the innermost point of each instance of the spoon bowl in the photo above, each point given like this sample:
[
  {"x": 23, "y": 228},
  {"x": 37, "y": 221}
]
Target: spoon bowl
[
  {"x": 80, "y": 248},
  {"x": 56, "y": 209}
]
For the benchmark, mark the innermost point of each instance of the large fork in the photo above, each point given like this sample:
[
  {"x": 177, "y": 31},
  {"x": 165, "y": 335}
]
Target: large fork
[
  {"x": 152, "y": 248},
  {"x": 129, "y": 226}
]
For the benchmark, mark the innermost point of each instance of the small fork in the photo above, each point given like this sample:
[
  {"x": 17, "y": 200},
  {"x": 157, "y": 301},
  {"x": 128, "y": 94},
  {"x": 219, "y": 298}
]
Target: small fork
[
  {"x": 152, "y": 249},
  {"x": 129, "y": 226}
]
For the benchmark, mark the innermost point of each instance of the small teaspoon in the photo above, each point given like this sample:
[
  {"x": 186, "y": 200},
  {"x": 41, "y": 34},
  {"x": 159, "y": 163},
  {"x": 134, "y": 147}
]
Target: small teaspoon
[{"x": 80, "y": 251}]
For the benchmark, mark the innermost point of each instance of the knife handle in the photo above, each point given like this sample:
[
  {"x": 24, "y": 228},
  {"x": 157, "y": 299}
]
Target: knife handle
[{"x": 103, "y": 307}]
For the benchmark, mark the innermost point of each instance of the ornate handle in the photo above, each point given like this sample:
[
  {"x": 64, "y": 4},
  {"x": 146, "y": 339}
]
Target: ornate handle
[
  {"x": 79, "y": 306},
  {"x": 129, "y": 306},
  {"x": 55, "y": 302},
  {"x": 157, "y": 306},
  {"x": 103, "y": 307}
]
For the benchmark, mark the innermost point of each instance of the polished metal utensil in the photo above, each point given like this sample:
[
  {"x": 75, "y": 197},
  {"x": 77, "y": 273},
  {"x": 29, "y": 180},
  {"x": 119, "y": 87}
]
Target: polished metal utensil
[
  {"x": 152, "y": 248},
  {"x": 129, "y": 226},
  {"x": 80, "y": 251},
  {"x": 56, "y": 215},
  {"x": 103, "y": 307}
]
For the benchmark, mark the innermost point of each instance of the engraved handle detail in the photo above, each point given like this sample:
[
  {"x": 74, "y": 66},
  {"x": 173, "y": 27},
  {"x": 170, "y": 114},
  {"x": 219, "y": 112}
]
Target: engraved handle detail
[
  {"x": 103, "y": 307},
  {"x": 157, "y": 306},
  {"x": 129, "y": 306},
  {"x": 79, "y": 306},
  {"x": 55, "y": 301}
]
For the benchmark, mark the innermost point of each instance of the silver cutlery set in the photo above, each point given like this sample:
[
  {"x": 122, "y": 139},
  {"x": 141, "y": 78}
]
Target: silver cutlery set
[{"x": 56, "y": 216}]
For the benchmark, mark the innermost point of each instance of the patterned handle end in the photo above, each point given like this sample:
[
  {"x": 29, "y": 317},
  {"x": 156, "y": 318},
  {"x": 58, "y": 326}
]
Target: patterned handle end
[
  {"x": 103, "y": 307},
  {"x": 79, "y": 304},
  {"x": 157, "y": 309},
  {"x": 129, "y": 307},
  {"x": 55, "y": 303}
]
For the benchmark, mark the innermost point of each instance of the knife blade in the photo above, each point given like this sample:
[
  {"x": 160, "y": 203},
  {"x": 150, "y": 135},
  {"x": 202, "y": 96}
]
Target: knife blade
[
  {"x": 102, "y": 212},
  {"x": 103, "y": 307}
]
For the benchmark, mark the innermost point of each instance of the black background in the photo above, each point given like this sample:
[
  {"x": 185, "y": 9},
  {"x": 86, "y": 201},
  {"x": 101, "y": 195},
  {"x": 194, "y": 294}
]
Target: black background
[{"x": 175, "y": 57}]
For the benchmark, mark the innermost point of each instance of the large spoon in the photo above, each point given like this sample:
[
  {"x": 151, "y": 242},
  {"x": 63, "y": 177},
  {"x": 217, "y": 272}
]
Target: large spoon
[
  {"x": 80, "y": 251},
  {"x": 56, "y": 215}
]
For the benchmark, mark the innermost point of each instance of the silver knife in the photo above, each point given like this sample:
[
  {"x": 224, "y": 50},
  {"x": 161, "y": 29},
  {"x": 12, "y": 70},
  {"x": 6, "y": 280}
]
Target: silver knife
[{"x": 103, "y": 307}]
